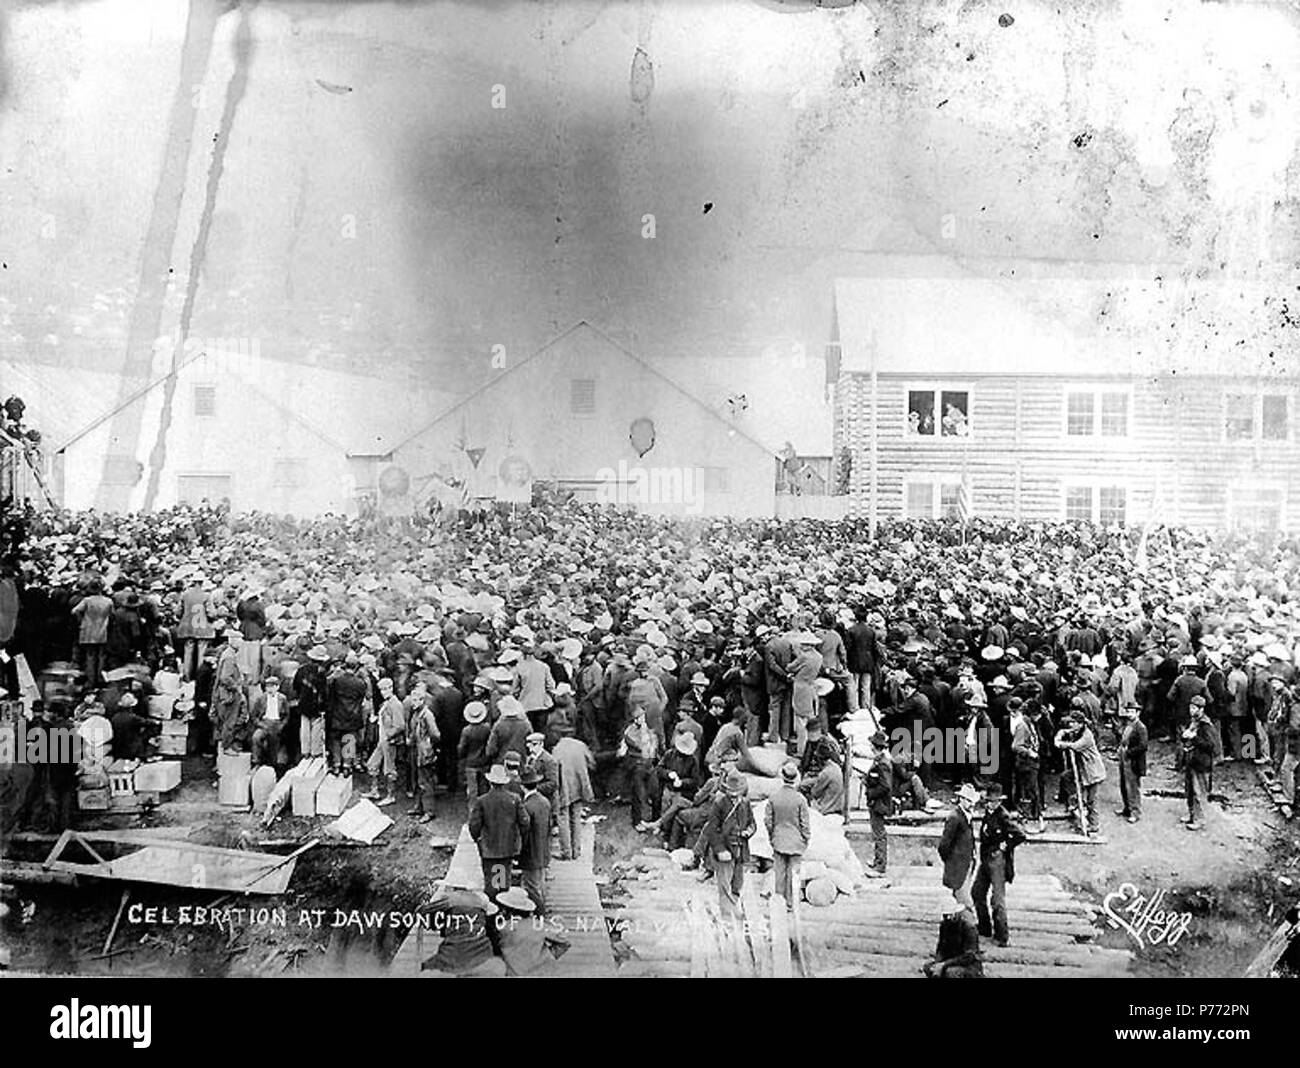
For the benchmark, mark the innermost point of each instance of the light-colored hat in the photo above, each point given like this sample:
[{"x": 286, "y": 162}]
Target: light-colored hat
[
  {"x": 127, "y": 700},
  {"x": 789, "y": 771},
  {"x": 992, "y": 652},
  {"x": 685, "y": 743},
  {"x": 968, "y": 793},
  {"x": 509, "y": 656},
  {"x": 822, "y": 687},
  {"x": 497, "y": 775},
  {"x": 475, "y": 712},
  {"x": 699, "y": 679},
  {"x": 517, "y": 900},
  {"x": 510, "y": 706},
  {"x": 318, "y": 653}
]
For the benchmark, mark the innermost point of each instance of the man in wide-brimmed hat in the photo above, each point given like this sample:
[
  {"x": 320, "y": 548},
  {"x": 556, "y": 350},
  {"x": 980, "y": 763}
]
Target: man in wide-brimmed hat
[
  {"x": 999, "y": 836},
  {"x": 471, "y": 749},
  {"x": 679, "y": 777},
  {"x": 498, "y": 823},
  {"x": 726, "y": 834}
]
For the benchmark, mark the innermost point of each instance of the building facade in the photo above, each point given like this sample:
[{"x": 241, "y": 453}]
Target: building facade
[
  {"x": 589, "y": 416},
  {"x": 997, "y": 397}
]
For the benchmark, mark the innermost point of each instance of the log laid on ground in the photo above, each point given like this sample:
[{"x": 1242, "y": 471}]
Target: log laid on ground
[{"x": 23, "y": 872}]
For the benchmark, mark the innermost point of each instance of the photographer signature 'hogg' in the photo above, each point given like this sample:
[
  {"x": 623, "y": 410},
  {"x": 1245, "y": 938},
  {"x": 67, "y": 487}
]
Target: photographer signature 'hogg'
[{"x": 1143, "y": 918}]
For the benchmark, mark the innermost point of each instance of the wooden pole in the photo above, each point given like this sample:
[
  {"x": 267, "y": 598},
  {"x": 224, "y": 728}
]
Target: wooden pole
[
  {"x": 874, "y": 512},
  {"x": 112, "y": 931}
]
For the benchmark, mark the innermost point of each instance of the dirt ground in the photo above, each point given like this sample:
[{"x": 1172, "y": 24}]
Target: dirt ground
[{"x": 1236, "y": 879}]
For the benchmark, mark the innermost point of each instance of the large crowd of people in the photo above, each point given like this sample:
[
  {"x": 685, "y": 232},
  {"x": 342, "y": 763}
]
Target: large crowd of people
[{"x": 620, "y": 655}]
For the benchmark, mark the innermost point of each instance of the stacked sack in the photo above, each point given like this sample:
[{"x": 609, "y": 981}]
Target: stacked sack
[{"x": 829, "y": 867}]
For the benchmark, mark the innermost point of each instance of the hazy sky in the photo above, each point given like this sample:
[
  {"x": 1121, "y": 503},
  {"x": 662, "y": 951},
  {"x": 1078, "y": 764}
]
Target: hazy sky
[{"x": 374, "y": 204}]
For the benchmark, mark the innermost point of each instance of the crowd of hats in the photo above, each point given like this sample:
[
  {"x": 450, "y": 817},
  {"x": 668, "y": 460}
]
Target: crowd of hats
[{"x": 572, "y": 576}]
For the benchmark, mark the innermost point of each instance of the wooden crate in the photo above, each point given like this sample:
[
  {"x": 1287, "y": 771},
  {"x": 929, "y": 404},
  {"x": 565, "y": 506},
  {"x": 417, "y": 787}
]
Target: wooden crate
[
  {"x": 234, "y": 764},
  {"x": 235, "y": 791},
  {"x": 333, "y": 795},
  {"x": 121, "y": 778},
  {"x": 303, "y": 794}
]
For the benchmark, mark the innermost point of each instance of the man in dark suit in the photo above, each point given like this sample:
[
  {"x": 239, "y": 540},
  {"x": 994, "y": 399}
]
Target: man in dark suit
[
  {"x": 498, "y": 823},
  {"x": 777, "y": 657},
  {"x": 1132, "y": 763},
  {"x": 536, "y": 853},
  {"x": 999, "y": 836},
  {"x": 880, "y": 802},
  {"x": 1198, "y": 761},
  {"x": 957, "y": 846},
  {"x": 862, "y": 650},
  {"x": 789, "y": 827}
]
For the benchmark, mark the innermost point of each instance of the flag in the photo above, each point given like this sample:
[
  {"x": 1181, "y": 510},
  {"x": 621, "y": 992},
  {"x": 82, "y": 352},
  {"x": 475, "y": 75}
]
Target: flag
[
  {"x": 1141, "y": 560},
  {"x": 963, "y": 502}
]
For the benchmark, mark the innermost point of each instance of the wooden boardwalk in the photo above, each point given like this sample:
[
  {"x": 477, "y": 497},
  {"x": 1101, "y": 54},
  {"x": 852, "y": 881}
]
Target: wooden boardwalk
[
  {"x": 574, "y": 912},
  {"x": 670, "y": 921}
]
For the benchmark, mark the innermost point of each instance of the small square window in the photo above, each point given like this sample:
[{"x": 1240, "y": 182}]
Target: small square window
[
  {"x": 205, "y": 400},
  {"x": 1239, "y": 423},
  {"x": 1078, "y": 414},
  {"x": 1114, "y": 415},
  {"x": 582, "y": 396},
  {"x": 1078, "y": 504},
  {"x": 717, "y": 480},
  {"x": 1275, "y": 423}
]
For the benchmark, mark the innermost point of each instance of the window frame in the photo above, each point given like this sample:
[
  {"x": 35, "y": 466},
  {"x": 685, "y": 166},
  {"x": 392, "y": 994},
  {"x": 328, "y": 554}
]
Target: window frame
[
  {"x": 1097, "y": 392},
  {"x": 937, "y": 390},
  {"x": 1095, "y": 487},
  {"x": 1256, "y": 437},
  {"x": 211, "y": 388},
  {"x": 936, "y": 480},
  {"x": 1233, "y": 502},
  {"x": 573, "y": 410}
]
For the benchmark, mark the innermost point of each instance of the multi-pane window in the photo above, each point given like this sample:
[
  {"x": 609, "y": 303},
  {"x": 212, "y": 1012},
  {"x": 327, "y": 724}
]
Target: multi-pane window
[
  {"x": 932, "y": 498},
  {"x": 1078, "y": 504},
  {"x": 1091, "y": 413},
  {"x": 1114, "y": 415},
  {"x": 1080, "y": 411},
  {"x": 1104, "y": 504},
  {"x": 935, "y": 413},
  {"x": 205, "y": 400},
  {"x": 1257, "y": 417},
  {"x": 1111, "y": 506},
  {"x": 1239, "y": 417},
  {"x": 1275, "y": 421},
  {"x": 582, "y": 396}
]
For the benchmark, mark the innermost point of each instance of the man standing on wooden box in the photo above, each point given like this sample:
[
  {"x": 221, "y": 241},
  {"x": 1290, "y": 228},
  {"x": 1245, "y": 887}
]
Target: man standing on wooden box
[
  {"x": 498, "y": 822},
  {"x": 390, "y": 747}
]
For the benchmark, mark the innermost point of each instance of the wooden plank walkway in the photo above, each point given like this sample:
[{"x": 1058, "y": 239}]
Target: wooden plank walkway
[
  {"x": 889, "y": 929},
  {"x": 574, "y": 912}
]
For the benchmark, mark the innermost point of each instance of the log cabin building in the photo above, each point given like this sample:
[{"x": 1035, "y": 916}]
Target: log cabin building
[{"x": 1065, "y": 394}]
